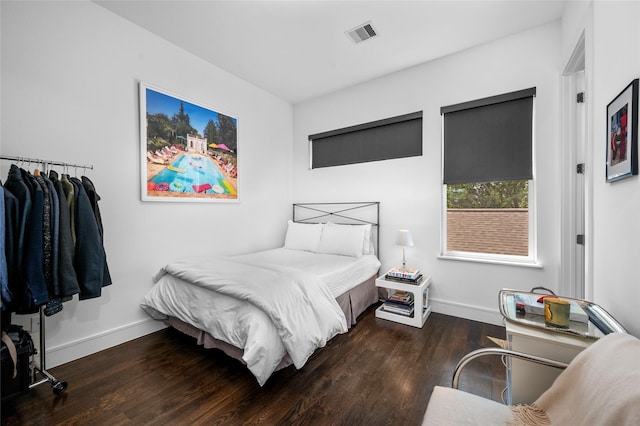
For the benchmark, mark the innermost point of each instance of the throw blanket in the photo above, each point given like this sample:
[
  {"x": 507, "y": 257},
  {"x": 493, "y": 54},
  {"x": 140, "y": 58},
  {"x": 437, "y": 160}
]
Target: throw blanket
[
  {"x": 300, "y": 306},
  {"x": 601, "y": 386}
]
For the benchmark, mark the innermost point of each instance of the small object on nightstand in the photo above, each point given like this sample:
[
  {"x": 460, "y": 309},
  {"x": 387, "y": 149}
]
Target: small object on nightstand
[
  {"x": 404, "y": 239},
  {"x": 404, "y": 273},
  {"x": 556, "y": 312}
]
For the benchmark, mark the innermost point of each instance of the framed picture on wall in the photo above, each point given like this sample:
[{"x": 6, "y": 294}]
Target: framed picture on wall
[
  {"x": 622, "y": 134},
  {"x": 189, "y": 152}
]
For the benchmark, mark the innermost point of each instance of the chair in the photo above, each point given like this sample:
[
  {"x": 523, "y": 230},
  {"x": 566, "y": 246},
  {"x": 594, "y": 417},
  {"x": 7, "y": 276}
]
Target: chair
[{"x": 601, "y": 386}]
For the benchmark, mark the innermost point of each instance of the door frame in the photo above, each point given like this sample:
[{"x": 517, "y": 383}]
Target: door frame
[{"x": 574, "y": 187}]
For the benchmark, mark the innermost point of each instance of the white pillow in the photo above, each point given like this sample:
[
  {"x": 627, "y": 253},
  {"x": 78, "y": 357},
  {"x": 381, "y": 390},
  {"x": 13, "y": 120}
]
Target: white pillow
[
  {"x": 346, "y": 240},
  {"x": 367, "y": 245},
  {"x": 303, "y": 236}
]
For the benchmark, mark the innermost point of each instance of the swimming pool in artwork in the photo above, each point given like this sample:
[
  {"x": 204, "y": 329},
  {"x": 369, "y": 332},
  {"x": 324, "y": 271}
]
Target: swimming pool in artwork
[{"x": 192, "y": 173}]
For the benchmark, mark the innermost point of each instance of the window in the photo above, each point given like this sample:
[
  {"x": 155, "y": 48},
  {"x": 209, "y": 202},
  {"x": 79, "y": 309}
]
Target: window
[
  {"x": 488, "y": 203},
  {"x": 395, "y": 137}
]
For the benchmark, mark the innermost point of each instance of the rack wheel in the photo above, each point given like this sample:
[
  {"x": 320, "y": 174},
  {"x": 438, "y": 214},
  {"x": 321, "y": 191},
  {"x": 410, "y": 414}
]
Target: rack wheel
[{"x": 59, "y": 387}]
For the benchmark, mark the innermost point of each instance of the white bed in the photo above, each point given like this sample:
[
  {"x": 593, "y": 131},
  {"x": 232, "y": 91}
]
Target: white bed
[{"x": 272, "y": 308}]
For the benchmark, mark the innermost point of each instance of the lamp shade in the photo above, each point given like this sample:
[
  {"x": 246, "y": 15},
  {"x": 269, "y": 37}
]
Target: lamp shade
[{"x": 403, "y": 238}]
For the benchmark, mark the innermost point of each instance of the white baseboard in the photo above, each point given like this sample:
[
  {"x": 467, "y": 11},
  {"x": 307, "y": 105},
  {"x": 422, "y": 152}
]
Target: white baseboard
[
  {"x": 70, "y": 351},
  {"x": 471, "y": 312}
]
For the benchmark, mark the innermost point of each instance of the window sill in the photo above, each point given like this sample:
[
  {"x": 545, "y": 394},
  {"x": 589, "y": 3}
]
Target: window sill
[{"x": 525, "y": 263}]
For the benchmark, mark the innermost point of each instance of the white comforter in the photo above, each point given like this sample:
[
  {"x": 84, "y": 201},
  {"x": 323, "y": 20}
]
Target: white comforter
[{"x": 269, "y": 311}]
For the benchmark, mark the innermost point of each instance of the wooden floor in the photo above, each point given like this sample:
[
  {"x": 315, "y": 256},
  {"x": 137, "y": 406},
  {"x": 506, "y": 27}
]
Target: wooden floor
[{"x": 380, "y": 373}]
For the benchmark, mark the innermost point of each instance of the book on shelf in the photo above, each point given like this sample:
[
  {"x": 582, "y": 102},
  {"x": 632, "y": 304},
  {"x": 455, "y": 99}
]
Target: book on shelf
[
  {"x": 406, "y": 273},
  {"x": 399, "y": 295},
  {"x": 400, "y": 305},
  {"x": 416, "y": 280},
  {"x": 397, "y": 309}
]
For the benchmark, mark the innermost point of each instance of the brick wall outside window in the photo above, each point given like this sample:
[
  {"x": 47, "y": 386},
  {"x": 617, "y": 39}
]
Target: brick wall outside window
[{"x": 495, "y": 231}]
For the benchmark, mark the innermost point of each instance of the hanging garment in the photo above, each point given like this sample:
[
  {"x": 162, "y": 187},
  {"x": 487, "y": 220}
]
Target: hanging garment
[
  {"x": 16, "y": 216},
  {"x": 94, "y": 198},
  {"x": 50, "y": 243},
  {"x": 17, "y": 187},
  {"x": 12, "y": 227},
  {"x": 49, "y": 240},
  {"x": 47, "y": 235},
  {"x": 33, "y": 293},
  {"x": 70, "y": 195},
  {"x": 90, "y": 257},
  {"x": 4, "y": 278},
  {"x": 67, "y": 278},
  {"x": 54, "y": 290}
]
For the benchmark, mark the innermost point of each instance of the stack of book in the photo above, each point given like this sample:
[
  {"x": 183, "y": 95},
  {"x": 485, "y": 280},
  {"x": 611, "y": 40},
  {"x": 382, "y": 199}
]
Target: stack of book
[
  {"x": 399, "y": 302},
  {"x": 412, "y": 276}
]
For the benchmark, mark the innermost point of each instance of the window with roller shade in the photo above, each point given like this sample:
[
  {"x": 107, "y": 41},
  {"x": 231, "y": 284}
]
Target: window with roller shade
[
  {"x": 395, "y": 137},
  {"x": 488, "y": 178}
]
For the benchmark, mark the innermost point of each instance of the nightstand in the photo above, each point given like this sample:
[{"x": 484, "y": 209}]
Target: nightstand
[{"x": 420, "y": 293}]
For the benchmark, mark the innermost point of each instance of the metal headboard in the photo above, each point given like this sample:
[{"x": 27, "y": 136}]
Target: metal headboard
[{"x": 345, "y": 213}]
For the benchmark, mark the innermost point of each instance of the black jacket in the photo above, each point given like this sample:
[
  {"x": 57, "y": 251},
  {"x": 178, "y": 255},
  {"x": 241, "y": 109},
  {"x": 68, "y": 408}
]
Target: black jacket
[{"x": 90, "y": 257}]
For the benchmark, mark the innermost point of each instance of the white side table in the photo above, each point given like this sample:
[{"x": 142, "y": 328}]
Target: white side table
[
  {"x": 527, "y": 381},
  {"x": 420, "y": 311},
  {"x": 527, "y": 332}
]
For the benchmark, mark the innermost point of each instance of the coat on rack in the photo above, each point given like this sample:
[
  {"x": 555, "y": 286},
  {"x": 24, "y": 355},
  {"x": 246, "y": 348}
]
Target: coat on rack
[
  {"x": 67, "y": 278},
  {"x": 29, "y": 290},
  {"x": 90, "y": 260}
]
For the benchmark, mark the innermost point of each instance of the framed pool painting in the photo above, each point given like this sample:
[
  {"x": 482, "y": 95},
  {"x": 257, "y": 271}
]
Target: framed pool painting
[
  {"x": 189, "y": 152},
  {"x": 622, "y": 134}
]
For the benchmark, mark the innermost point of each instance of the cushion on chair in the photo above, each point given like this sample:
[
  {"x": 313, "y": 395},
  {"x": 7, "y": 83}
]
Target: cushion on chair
[
  {"x": 449, "y": 406},
  {"x": 601, "y": 386}
]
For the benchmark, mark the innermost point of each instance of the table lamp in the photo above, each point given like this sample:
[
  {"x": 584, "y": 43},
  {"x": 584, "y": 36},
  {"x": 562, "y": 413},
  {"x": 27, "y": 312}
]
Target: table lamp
[{"x": 404, "y": 239}]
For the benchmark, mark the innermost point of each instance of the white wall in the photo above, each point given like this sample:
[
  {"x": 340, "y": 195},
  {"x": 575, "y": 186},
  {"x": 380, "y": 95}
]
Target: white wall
[
  {"x": 69, "y": 93},
  {"x": 410, "y": 189},
  {"x": 616, "y": 213}
]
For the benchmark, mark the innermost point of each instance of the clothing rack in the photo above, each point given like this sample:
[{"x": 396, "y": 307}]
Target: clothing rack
[
  {"x": 57, "y": 385},
  {"x": 45, "y": 163}
]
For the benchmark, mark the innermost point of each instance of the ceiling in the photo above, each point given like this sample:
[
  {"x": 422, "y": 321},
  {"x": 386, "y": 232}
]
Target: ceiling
[{"x": 298, "y": 50}]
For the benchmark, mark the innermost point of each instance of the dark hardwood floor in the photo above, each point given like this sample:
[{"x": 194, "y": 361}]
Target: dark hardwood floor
[{"x": 380, "y": 373}]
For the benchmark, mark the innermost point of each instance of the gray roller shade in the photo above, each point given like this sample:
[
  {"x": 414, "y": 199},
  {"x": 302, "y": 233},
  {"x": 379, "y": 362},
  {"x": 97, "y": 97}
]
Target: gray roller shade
[
  {"x": 490, "y": 139},
  {"x": 395, "y": 137}
]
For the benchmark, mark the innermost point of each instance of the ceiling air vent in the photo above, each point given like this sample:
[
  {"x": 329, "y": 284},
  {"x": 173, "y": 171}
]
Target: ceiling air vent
[{"x": 361, "y": 32}]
